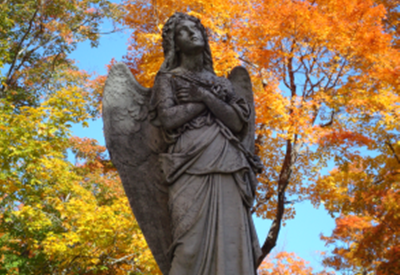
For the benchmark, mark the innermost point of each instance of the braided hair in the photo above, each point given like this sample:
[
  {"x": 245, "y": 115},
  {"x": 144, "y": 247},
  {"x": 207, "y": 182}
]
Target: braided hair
[{"x": 171, "y": 58}]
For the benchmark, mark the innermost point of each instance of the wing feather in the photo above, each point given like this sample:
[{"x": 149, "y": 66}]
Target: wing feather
[
  {"x": 134, "y": 144},
  {"x": 241, "y": 82}
]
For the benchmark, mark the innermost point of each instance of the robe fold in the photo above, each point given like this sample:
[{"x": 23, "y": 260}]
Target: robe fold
[{"x": 211, "y": 190}]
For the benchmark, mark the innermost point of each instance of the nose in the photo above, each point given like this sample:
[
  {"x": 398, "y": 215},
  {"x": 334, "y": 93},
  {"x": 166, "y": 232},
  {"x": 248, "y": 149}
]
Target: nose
[{"x": 192, "y": 32}]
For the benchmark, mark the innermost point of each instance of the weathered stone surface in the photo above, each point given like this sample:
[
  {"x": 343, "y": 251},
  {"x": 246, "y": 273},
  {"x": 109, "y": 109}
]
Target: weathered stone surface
[{"x": 184, "y": 151}]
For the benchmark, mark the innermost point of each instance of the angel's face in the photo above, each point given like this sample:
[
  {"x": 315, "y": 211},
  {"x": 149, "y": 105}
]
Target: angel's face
[{"x": 188, "y": 38}]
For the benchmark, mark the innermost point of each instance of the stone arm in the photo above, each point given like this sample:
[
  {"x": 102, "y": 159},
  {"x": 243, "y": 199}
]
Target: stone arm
[
  {"x": 173, "y": 116},
  {"x": 223, "y": 111},
  {"x": 170, "y": 114},
  {"x": 193, "y": 101}
]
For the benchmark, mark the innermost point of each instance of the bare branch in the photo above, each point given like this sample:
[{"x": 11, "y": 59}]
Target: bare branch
[
  {"x": 30, "y": 52},
  {"x": 329, "y": 123},
  {"x": 292, "y": 153},
  {"x": 110, "y": 32},
  {"x": 249, "y": 62},
  {"x": 338, "y": 75},
  {"x": 114, "y": 261},
  {"x": 284, "y": 77},
  {"x": 258, "y": 142},
  {"x": 308, "y": 72},
  {"x": 261, "y": 201},
  {"x": 393, "y": 151},
  {"x": 18, "y": 50},
  {"x": 291, "y": 76},
  {"x": 155, "y": 11}
]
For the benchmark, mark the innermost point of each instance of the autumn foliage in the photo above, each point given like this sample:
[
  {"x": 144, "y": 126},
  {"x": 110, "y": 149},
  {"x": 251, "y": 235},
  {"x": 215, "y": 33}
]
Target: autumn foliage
[
  {"x": 326, "y": 82},
  {"x": 284, "y": 263},
  {"x": 62, "y": 206},
  {"x": 326, "y": 79}
]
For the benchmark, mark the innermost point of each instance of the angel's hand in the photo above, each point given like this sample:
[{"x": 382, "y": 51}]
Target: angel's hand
[{"x": 192, "y": 94}]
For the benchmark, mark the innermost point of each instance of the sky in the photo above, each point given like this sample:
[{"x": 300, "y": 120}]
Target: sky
[{"x": 300, "y": 235}]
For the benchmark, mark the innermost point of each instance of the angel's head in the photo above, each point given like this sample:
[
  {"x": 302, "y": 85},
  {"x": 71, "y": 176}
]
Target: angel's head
[{"x": 172, "y": 28}]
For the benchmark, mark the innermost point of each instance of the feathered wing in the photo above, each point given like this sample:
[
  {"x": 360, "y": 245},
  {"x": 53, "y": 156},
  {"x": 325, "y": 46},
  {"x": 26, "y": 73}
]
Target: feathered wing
[
  {"x": 134, "y": 144},
  {"x": 240, "y": 79}
]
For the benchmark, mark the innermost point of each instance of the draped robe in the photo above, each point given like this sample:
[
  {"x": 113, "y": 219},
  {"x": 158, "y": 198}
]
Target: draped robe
[{"x": 211, "y": 190}]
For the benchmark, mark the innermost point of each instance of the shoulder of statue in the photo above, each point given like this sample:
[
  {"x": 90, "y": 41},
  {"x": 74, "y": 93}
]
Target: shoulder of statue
[
  {"x": 224, "y": 81},
  {"x": 164, "y": 74},
  {"x": 164, "y": 78},
  {"x": 170, "y": 75}
]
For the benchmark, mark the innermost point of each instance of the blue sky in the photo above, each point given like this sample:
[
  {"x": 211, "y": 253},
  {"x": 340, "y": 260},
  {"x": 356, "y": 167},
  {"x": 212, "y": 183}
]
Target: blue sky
[{"x": 300, "y": 235}]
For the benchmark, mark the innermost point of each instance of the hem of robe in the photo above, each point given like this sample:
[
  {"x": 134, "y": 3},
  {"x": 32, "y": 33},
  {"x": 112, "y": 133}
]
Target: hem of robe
[{"x": 212, "y": 195}]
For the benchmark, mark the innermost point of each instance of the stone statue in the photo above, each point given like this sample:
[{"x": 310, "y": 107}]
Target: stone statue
[{"x": 184, "y": 151}]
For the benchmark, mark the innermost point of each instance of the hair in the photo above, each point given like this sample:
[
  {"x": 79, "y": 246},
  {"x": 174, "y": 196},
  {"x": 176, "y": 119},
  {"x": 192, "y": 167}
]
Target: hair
[{"x": 171, "y": 58}]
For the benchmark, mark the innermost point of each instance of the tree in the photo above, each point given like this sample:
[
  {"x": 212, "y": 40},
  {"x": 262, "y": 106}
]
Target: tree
[
  {"x": 367, "y": 234},
  {"x": 58, "y": 217},
  {"x": 326, "y": 80},
  {"x": 284, "y": 263}
]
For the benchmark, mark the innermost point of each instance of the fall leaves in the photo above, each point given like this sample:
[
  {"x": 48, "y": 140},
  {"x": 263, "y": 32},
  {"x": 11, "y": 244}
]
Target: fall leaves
[
  {"x": 326, "y": 79},
  {"x": 56, "y": 216}
]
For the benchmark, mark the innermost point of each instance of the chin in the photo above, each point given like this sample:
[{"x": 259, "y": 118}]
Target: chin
[{"x": 195, "y": 49}]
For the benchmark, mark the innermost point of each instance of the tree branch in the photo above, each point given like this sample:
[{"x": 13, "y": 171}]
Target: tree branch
[
  {"x": 292, "y": 86},
  {"x": 18, "y": 50},
  {"x": 292, "y": 153},
  {"x": 249, "y": 62},
  {"x": 261, "y": 201},
  {"x": 329, "y": 123},
  {"x": 114, "y": 261},
  {"x": 393, "y": 151}
]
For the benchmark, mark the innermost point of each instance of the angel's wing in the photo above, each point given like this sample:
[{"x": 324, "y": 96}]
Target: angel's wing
[
  {"x": 134, "y": 144},
  {"x": 240, "y": 79}
]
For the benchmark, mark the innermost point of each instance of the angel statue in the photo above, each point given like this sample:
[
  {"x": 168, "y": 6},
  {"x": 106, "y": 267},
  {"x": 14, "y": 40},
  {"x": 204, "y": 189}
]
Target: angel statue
[{"x": 184, "y": 150}]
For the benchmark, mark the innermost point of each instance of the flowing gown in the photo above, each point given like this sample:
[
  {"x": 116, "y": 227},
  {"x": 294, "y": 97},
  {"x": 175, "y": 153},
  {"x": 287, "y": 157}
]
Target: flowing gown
[{"x": 211, "y": 189}]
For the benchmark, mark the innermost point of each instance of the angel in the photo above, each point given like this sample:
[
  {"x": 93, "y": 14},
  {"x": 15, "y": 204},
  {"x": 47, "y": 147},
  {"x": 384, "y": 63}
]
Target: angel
[{"x": 184, "y": 150}]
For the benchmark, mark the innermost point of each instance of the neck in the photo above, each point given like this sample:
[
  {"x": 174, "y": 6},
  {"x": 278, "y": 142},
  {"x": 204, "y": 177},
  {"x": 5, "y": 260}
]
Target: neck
[{"x": 193, "y": 62}]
